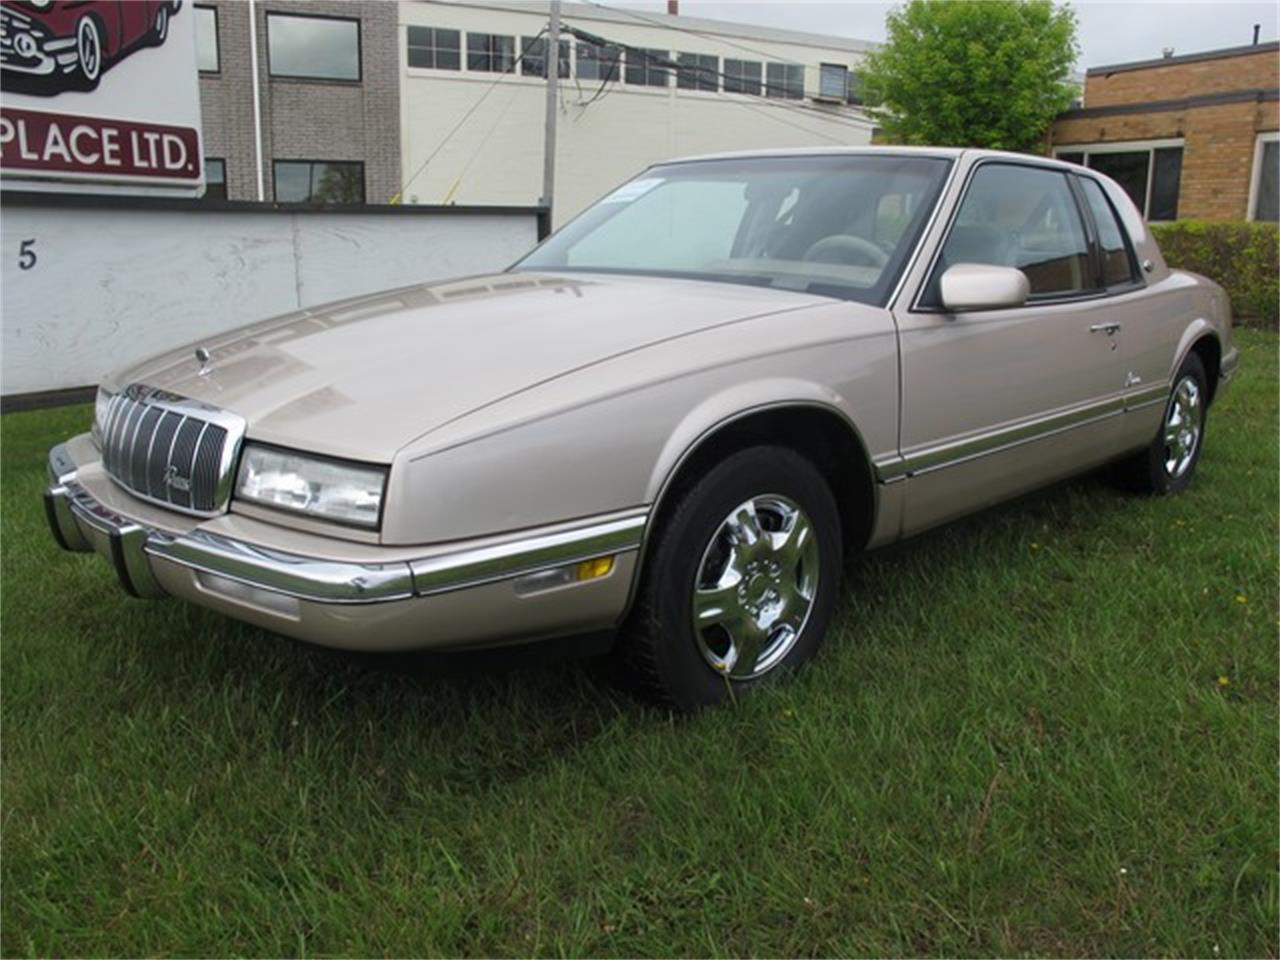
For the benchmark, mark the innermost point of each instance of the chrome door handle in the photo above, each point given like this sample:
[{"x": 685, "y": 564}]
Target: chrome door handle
[{"x": 1107, "y": 328}]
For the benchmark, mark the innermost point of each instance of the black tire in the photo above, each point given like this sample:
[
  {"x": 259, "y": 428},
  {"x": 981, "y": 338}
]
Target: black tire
[
  {"x": 1167, "y": 465},
  {"x": 658, "y": 649}
]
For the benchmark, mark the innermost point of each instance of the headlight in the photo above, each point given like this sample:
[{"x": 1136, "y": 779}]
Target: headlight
[
  {"x": 101, "y": 406},
  {"x": 337, "y": 490}
]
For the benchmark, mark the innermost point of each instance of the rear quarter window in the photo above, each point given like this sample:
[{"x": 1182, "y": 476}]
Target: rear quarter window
[{"x": 1118, "y": 267}]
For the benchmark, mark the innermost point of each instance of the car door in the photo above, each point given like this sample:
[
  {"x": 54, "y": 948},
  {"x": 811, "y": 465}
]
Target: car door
[
  {"x": 996, "y": 402},
  {"x": 1151, "y": 318}
]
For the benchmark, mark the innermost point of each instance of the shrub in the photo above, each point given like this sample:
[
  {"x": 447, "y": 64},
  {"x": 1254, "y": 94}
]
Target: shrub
[{"x": 1244, "y": 257}]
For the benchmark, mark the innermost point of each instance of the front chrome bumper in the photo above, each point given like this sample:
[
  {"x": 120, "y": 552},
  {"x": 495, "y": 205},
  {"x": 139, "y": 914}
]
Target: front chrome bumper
[{"x": 317, "y": 598}]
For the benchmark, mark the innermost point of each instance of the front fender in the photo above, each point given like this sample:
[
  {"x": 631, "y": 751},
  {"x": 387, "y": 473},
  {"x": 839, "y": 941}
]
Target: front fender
[
  {"x": 607, "y": 438},
  {"x": 733, "y": 403}
]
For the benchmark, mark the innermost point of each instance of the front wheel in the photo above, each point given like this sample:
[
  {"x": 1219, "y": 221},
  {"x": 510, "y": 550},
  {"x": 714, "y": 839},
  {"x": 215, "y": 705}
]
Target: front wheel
[
  {"x": 160, "y": 28},
  {"x": 740, "y": 582},
  {"x": 1167, "y": 465}
]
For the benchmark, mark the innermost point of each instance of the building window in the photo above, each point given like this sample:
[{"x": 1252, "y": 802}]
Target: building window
[
  {"x": 318, "y": 181},
  {"x": 206, "y": 39},
  {"x": 1264, "y": 191},
  {"x": 533, "y": 51},
  {"x": 785, "y": 81},
  {"x": 742, "y": 76},
  {"x": 490, "y": 52},
  {"x": 857, "y": 84},
  {"x": 643, "y": 68},
  {"x": 1150, "y": 171},
  {"x": 698, "y": 71},
  {"x": 596, "y": 62},
  {"x": 215, "y": 179},
  {"x": 833, "y": 81},
  {"x": 435, "y": 49},
  {"x": 313, "y": 48}
]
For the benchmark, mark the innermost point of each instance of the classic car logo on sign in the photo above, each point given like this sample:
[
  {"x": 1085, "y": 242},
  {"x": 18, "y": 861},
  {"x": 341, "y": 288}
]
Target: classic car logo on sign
[
  {"x": 99, "y": 90},
  {"x": 46, "y": 47}
]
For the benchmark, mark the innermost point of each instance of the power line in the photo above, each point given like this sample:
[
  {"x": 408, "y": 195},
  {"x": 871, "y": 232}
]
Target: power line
[{"x": 466, "y": 116}]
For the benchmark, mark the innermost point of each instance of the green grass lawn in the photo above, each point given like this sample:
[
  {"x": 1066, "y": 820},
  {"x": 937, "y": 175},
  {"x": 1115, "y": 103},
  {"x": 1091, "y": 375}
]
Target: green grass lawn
[{"x": 1049, "y": 729}]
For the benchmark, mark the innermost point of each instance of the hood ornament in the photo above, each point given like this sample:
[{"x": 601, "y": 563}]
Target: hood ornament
[{"x": 203, "y": 356}]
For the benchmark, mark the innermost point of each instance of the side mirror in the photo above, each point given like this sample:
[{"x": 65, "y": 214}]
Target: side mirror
[{"x": 981, "y": 286}]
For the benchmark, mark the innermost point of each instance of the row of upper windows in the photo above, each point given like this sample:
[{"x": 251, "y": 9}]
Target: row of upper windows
[
  {"x": 328, "y": 48},
  {"x": 298, "y": 45},
  {"x": 437, "y": 48}
]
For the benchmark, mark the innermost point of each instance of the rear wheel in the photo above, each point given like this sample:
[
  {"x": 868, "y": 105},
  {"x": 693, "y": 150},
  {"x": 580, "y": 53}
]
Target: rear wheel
[
  {"x": 89, "y": 51},
  {"x": 1167, "y": 465},
  {"x": 740, "y": 582}
]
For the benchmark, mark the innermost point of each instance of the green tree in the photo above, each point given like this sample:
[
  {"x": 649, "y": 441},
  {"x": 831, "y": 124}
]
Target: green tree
[{"x": 972, "y": 73}]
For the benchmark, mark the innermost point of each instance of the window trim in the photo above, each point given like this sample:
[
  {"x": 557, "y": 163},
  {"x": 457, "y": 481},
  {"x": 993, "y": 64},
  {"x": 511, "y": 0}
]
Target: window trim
[
  {"x": 646, "y": 68},
  {"x": 364, "y": 182},
  {"x": 1129, "y": 146},
  {"x": 698, "y": 72},
  {"x": 784, "y": 88},
  {"x": 1255, "y": 172},
  {"x": 462, "y": 48},
  {"x": 217, "y": 42},
  {"x": 596, "y": 59},
  {"x": 741, "y": 79},
  {"x": 510, "y": 68},
  {"x": 1086, "y": 225},
  {"x": 1135, "y": 281},
  {"x": 526, "y": 44},
  {"x": 359, "y": 78},
  {"x": 843, "y": 97}
]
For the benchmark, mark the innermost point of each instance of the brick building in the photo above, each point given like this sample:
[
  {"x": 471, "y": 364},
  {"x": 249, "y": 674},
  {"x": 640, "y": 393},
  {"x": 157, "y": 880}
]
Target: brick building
[
  {"x": 328, "y": 80},
  {"x": 1192, "y": 136}
]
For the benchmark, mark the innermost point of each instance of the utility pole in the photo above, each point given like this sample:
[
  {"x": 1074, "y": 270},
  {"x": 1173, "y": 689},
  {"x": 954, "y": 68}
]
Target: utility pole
[{"x": 552, "y": 62}]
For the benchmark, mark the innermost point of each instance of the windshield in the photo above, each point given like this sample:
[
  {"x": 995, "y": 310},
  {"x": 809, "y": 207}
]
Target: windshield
[{"x": 834, "y": 225}]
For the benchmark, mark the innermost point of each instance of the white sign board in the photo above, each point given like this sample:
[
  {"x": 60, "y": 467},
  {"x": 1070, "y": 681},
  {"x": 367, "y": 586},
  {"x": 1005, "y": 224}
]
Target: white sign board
[{"x": 102, "y": 93}]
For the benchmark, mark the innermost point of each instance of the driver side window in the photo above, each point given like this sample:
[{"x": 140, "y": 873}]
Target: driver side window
[{"x": 1016, "y": 216}]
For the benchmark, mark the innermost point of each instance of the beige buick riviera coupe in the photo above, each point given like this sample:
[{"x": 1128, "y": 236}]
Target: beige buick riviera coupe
[{"x": 674, "y": 417}]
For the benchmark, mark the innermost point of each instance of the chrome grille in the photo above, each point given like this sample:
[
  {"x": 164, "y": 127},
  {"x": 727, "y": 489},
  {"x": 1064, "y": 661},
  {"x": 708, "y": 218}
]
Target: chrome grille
[{"x": 170, "y": 449}]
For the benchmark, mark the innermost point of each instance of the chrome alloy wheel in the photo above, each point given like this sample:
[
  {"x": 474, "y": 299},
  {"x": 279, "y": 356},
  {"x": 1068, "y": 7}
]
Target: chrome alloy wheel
[
  {"x": 755, "y": 586},
  {"x": 1183, "y": 423}
]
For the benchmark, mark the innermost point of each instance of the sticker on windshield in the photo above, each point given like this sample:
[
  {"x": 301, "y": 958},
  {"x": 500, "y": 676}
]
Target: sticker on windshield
[{"x": 633, "y": 190}]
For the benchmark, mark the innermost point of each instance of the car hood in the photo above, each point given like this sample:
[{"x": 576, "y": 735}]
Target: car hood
[{"x": 363, "y": 377}]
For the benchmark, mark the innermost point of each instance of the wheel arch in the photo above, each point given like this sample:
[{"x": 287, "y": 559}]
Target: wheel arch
[
  {"x": 1202, "y": 338},
  {"x": 809, "y": 422}
]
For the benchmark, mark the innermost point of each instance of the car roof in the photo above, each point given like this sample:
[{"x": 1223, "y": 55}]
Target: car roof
[{"x": 950, "y": 153}]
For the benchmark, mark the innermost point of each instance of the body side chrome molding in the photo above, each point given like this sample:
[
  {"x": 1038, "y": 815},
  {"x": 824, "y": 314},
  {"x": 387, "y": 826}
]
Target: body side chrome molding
[
  {"x": 469, "y": 568},
  {"x": 954, "y": 452}
]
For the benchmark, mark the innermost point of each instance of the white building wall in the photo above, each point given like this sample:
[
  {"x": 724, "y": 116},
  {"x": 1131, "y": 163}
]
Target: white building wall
[
  {"x": 104, "y": 287},
  {"x": 495, "y": 156}
]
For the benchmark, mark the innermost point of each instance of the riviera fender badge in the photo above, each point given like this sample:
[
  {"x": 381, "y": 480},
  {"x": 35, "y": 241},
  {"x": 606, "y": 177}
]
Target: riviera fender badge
[{"x": 202, "y": 355}]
